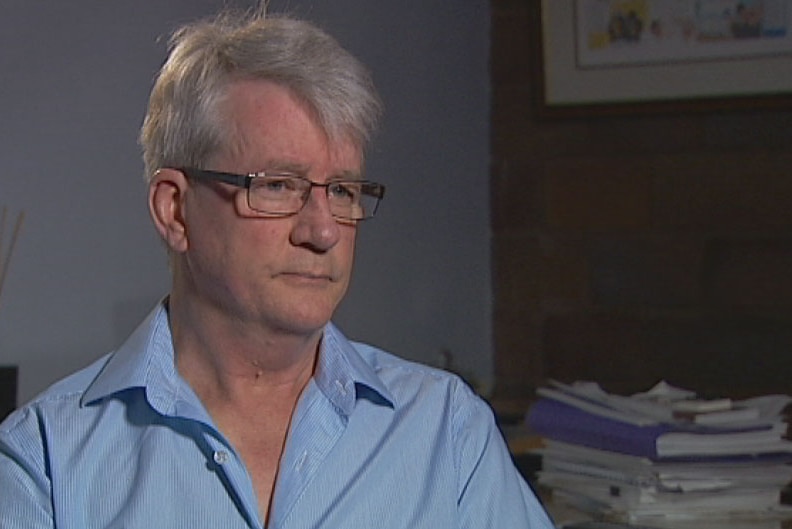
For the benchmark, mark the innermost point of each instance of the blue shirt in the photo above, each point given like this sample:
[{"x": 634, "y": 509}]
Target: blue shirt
[{"x": 375, "y": 442}]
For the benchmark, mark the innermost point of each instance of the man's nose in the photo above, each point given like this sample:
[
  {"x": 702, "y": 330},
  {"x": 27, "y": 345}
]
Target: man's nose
[{"x": 315, "y": 226}]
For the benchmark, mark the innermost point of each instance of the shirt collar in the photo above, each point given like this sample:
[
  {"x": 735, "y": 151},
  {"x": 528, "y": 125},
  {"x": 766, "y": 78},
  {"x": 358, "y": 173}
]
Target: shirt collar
[
  {"x": 146, "y": 360},
  {"x": 344, "y": 376}
]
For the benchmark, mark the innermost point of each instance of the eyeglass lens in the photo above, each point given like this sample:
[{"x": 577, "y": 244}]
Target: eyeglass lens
[{"x": 286, "y": 194}]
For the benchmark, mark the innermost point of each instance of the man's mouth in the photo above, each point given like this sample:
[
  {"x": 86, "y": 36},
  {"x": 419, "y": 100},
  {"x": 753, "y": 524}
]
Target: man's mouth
[{"x": 309, "y": 277}]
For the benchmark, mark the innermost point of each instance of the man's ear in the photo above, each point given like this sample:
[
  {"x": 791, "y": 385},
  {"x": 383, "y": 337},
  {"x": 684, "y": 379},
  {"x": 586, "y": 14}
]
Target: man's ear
[{"x": 166, "y": 207}]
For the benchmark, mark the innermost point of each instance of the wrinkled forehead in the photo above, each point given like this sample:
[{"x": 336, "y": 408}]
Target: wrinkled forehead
[
  {"x": 261, "y": 108},
  {"x": 267, "y": 126}
]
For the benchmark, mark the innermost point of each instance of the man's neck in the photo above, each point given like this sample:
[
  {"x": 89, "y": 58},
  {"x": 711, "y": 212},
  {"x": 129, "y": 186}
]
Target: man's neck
[
  {"x": 248, "y": 378},
  {"x": 237, "y": 362}
]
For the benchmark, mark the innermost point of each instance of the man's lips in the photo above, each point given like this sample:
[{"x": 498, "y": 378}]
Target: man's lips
[{"x": 313, "y": 277}]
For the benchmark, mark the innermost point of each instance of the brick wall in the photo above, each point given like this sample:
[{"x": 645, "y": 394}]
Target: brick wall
[{"x": 629, "y": 249}]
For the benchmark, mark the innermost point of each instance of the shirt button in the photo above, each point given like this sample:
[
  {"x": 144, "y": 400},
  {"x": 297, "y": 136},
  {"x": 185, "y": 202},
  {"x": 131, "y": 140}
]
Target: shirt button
[{"x": 220, "y": 457}]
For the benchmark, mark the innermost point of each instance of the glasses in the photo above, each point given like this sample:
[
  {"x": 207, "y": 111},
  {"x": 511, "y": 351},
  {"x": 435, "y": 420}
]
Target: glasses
[{"x": 284, "y": 194}]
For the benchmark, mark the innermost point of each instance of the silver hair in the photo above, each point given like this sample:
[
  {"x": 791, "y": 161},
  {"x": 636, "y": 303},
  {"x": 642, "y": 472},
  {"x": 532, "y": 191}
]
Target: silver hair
[{"x": 184, "y": 125}]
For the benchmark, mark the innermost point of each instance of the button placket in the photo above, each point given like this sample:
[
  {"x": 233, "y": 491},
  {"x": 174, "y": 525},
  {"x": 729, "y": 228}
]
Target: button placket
[{"x": 232, "y": 473}]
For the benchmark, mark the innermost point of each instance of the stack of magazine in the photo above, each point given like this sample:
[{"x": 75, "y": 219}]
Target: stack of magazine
[{"x": 664, "y": 456}]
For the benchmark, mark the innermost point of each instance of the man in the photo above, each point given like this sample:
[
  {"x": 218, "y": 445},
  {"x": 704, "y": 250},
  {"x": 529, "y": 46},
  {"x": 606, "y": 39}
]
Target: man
[{"x": 236, "y": 403}]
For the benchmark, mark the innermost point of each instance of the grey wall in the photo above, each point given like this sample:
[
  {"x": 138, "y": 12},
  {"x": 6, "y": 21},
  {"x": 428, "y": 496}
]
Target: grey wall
[{"x": 87, "y": 267}]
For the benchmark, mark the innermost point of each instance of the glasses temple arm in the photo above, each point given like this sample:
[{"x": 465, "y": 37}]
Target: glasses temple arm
[{"x": 217, "y": 176}]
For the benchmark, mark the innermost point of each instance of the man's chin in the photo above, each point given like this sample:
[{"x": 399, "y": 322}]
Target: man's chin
[{"x": 304, "y": 320}]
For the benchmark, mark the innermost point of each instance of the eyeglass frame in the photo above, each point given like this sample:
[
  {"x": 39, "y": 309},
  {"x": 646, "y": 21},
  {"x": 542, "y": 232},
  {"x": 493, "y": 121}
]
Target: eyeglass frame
[{"x": 245, "y": 181}]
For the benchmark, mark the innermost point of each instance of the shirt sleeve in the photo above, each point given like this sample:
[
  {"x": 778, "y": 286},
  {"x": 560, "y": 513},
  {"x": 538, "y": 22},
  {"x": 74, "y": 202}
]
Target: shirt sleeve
[
  {"x": 491, "y": 492},
  {"x": 24, "y": 500}
]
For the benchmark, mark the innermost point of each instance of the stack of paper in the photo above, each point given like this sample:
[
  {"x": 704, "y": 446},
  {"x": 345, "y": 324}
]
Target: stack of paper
[{"x": 663, "y": 454}]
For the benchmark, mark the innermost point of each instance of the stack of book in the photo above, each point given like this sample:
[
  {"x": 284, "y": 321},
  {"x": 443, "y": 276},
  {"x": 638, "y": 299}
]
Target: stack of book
[{"x": 664, "y": 455}]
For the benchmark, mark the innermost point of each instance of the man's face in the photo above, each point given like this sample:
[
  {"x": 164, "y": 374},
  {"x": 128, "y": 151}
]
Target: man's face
[{"x": 285, "y": 274}]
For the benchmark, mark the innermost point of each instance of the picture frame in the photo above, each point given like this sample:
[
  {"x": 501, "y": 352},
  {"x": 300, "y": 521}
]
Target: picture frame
[
  {"x": 585, "y": 68},
  {"x": 9, "y": 380}
]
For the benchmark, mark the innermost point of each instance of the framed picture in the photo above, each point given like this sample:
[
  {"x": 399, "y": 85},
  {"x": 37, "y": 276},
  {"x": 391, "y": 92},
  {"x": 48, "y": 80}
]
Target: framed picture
[
  {"x": 627, "y": 56},
  {"x": 8, "y": 390}
]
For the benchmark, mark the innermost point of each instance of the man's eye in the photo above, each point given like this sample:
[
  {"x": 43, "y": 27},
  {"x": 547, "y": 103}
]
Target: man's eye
[
  {"x": 277, "y": 185},
  {"x": 344, "y": 191}
]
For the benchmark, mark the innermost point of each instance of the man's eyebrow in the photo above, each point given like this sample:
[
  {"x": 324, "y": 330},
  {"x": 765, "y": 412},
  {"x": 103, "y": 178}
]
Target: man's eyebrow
[
  {"x": 299, "y": 169},
  {"x": 347, "y": 175},
  {"x": 286, "y": 167}
]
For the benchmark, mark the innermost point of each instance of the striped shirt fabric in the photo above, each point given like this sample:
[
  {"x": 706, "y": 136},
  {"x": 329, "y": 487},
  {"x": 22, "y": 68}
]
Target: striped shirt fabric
[{"x": 376, "y": 442}]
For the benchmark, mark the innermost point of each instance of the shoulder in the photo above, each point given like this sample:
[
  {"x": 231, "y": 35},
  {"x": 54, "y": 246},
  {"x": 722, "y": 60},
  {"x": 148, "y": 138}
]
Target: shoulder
[
  {"x": 412, "y": 383},
  {"x": 439, "y": 403},
  {"x": 395, "y": 371},
  {"x": 384, "y": 362},
  {"x": 59, "y": 402}
]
